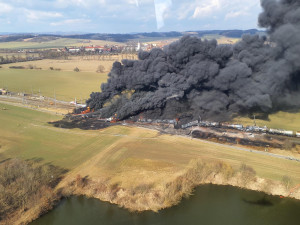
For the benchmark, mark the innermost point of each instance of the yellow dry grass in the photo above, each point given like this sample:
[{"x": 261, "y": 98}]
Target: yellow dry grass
[
  {"x": 143, "y": 157},
  {"x": 130, "y": 157},
  {"x": 226, "y": 40},
  {"x": 84, "y": 63},
  {"x": 82, "y": 42},
  {"x": 220, "y": 40}
]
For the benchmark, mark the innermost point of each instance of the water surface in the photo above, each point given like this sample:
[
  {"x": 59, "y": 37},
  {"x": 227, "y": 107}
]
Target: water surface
[{"x": 210, "y": 205}]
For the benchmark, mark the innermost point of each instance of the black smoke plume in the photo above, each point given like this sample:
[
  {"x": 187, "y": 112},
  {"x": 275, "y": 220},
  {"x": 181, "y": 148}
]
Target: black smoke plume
[{"x": 194, "y": 77}]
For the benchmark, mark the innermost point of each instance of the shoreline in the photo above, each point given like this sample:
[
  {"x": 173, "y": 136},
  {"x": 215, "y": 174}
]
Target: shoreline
[
  {"x": 155, "y": 197},
  {"x": 120, "y": 196},
  {"x": 118, "y": 201}
]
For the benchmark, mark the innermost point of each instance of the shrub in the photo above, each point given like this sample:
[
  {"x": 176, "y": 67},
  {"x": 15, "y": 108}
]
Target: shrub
[
  {"x": 30, "y": 67},
  {"x": 247, "y": 174},
  {"x": 16, "y": 67},
  {"x": 100, "y": 69},
  {"x": 225, "y": 169},
  {"x": 286, "y": 181}
]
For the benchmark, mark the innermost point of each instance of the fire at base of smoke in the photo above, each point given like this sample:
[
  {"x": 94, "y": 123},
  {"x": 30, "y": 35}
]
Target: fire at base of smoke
[{"x": 199, "y": 77}]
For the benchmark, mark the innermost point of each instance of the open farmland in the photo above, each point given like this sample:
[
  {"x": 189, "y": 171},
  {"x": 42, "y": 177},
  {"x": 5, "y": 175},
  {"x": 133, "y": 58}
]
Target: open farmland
[
  {"x": 222, "y": 39},
  {"x": 120, "y": 151},
  {"x": 68, "y": 42},
  {"x": 66, "y": 85},
  {"x": 89, "y": 63},
  {"x": 18, "y": 54},
  {"x": 58, "y": 43}
]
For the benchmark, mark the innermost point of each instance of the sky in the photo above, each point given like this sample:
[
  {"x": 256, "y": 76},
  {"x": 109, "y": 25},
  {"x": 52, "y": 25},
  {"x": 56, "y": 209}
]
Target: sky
[{"x": 126, "y": 16}]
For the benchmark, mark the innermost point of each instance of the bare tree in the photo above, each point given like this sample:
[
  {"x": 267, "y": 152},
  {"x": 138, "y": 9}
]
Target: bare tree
[{"x": 247, "y": 174}]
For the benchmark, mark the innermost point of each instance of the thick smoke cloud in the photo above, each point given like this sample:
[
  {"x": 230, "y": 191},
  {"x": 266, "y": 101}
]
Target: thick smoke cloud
[{"x": 194, "y": 77}]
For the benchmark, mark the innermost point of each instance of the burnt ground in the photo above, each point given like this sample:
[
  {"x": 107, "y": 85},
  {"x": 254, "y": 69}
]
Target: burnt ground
[
  {"x": 82, "y": 123},
  {"x": 219, "y": 135},
  {"x": 236, "y": 140}
]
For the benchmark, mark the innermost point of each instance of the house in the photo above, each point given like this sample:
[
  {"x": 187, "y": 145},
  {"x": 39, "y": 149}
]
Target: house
[
  {"x": 74, "y": 50},
  {"x": 90, "y": 49}
]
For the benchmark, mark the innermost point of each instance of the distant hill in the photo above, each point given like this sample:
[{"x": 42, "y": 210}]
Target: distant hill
[
  {"x": 15, "y": 37},
  {"x": 127, "y": 37},
  {"x": 229, "y": 33}
]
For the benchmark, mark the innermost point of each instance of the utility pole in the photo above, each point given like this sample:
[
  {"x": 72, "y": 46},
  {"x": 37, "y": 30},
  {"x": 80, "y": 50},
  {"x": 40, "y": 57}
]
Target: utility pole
[
  {"x": 254, "y": 121},
  {"x": 54, "y": 98}
]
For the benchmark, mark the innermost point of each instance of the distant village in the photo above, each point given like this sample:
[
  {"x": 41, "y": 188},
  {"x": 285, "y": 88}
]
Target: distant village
[
  {"x": 23, "y": 55},
  {"x": 128, "y": 48}
]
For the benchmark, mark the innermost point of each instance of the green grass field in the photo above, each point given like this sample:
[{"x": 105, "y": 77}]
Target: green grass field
[
  {"x": 66, "y": 84},
  {"x": 280, "y": 120},
  {"x": 58, "y": 43},
  {"x": 25, "y": 133},
  {"x": 120, "y": 151}
]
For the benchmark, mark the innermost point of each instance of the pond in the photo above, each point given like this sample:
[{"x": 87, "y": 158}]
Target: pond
[{"x": 209, "y": 205}]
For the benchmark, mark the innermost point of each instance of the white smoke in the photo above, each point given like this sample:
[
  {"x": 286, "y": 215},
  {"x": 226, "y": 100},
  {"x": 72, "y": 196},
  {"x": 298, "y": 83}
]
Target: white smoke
[{"x": 160, "y": 7}]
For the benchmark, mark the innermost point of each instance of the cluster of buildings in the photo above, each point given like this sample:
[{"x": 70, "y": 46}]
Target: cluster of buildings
[
  {"x": 129, "y": 47},
  {"x": 93, "y": 49}
]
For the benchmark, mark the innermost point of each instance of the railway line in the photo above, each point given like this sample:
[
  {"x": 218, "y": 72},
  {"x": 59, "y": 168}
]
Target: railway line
[{"x": 44, "y": 104}]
